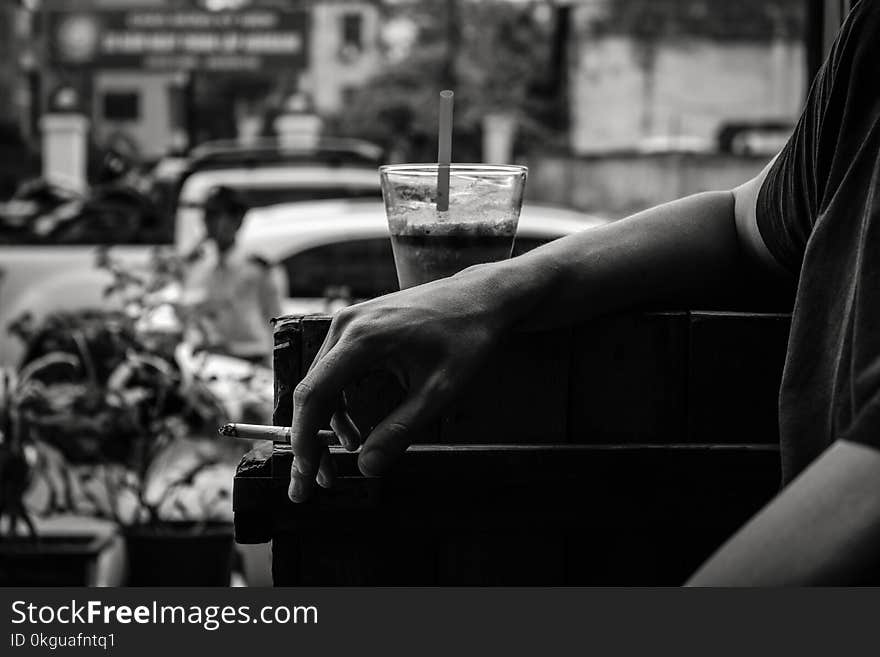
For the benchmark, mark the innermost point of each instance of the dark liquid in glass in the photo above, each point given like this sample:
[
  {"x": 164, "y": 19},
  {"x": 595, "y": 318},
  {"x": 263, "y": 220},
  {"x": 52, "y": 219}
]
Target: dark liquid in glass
[{"x": 424, "y": 258}]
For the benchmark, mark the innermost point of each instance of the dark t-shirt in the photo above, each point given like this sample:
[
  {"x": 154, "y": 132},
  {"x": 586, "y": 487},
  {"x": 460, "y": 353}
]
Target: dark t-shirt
[{"x": 819, "y": 214}]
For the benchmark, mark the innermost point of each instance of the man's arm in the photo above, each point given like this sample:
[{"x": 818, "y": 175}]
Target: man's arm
[
  {"x": 435, "y": 336},
  {"x": 269, "y": 293},
  {"x": 681, "y": 253},
  {"x": 685, "y": 253},
  {"x": 824, "y": 528}
]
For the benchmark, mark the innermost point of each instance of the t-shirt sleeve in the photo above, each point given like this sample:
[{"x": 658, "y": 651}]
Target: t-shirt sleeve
[
  {"x": 849, "y": 214},
  {"x": 865, "y": 428},
  {"x": 818, "y": 212},
  {"x": 792, "y": 195}
]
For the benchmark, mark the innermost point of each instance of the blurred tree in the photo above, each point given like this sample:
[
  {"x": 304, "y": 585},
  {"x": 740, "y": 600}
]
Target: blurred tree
[{"x": 497, "y": 56}]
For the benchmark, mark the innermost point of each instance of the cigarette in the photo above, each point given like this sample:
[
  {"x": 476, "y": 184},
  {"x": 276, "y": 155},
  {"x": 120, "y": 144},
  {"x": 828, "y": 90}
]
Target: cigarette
[{"x": 269, "y": 432}]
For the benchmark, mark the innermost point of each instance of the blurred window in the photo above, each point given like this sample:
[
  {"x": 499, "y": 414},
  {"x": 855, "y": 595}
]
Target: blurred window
[
  {"x": 352, "y": 30},
  {"x": 258, "y": 197},
  {"x": 279, "y": 184},
  {"x": 262, "y": 196},
  {"x": 365, "y": 267},
  {"x": 122, "y": 106}
]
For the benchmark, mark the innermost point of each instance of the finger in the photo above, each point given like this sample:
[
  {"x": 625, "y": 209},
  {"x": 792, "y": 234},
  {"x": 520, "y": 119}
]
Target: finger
[
  {"x": 344, "y": 427},
  {"x": 396, "y": 432},
  {"x": 327, "y": 471},
  {"x": 331, "y": 339},
  {"x": 300, "y": 483},
  {"x": 314, "y": 400},
  {"x": 329, "y": 342}
]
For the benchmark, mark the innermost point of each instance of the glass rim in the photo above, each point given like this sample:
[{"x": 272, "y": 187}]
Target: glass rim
[{"x": 455, "y": 167}]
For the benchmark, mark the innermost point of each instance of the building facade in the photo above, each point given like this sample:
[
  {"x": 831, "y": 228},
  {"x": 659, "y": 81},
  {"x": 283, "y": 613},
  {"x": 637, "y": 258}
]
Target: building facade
[
  {"x": 680, "y": 85},
  {"x": 164, "y": 74}
]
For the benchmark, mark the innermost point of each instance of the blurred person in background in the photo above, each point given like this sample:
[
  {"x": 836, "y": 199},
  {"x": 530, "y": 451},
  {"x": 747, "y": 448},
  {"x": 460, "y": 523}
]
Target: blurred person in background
[{"x": 232, "y": 292}]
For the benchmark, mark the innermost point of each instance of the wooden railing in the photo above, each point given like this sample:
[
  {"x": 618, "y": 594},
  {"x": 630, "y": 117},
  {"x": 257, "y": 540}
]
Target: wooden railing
[{"x": 620, "y": 452}]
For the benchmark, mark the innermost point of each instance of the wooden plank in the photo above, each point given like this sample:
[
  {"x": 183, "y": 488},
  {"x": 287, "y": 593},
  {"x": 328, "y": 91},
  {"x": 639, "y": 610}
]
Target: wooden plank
[
  {"x": 379, "y": 556},
  {"x": 286, "y": 560},
  {"x": 500, "y": 558},
  {"x": 735, "y": 364},
  {"x": 252, "y": 503},
  {"x": 503, "y": 475},
  {"x": 314, "y": 330},
  {"x": 645, "y": 378},
  {"x": 286, "y": 365},
  {"x": 519, "y": 396},
  {"x": 628, "y": 379},
  {"x": 616, "y": 514}
]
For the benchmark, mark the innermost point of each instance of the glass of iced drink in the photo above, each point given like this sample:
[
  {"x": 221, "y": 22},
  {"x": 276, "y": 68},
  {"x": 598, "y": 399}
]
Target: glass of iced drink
[{"x": 478, "y": 226}]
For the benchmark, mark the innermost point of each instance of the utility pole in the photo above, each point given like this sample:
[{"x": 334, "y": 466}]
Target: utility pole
[{"x": 559, "y": 62}]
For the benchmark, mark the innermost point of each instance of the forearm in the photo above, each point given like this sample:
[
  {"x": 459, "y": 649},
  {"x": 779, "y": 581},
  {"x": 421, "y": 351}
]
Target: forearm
[
  {"x": 684, "y": 253},
  {"x": 824, "y": 528}
]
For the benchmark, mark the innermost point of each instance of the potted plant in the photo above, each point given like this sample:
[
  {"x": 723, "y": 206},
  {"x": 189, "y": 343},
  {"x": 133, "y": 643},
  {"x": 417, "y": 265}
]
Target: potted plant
[
  {"x": 128, "y": 408},
  {"x": 28, "y": 558}
]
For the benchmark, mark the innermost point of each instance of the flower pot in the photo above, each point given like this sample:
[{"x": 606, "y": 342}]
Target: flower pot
[
  {"x": 51, "y": 560},
  {"x": 179, "y": 554}
]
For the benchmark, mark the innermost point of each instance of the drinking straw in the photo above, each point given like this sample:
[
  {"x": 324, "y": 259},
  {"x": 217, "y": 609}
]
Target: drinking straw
[{"x": 444, "y": 150}]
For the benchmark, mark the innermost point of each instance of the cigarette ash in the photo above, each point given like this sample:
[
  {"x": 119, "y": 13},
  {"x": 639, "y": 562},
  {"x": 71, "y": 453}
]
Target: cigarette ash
[{"x": 228, "y": 430}]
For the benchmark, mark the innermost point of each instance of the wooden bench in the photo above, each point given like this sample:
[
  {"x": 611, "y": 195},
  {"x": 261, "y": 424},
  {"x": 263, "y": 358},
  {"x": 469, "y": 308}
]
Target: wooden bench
[{"x": 620, "y": 452}]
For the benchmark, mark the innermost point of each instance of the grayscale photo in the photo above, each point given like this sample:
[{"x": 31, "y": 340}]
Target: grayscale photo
[{"x": 432, "y": 293}]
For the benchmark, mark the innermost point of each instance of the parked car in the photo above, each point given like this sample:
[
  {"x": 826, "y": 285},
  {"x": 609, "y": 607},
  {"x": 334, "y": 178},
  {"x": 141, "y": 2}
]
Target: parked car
[
  {"x": 265, "y": 171},
  {"x": 40, "y": 274},
  {"x": 268, "y": 172},
  {"x": 334, "y": 252}
]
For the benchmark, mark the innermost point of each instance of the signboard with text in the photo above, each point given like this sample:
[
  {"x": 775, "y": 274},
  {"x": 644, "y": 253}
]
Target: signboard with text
[{"x": 179, "y": 40}]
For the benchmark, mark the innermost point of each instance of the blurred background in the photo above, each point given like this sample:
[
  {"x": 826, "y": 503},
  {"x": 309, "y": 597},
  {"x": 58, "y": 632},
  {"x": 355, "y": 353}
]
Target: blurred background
[{"x": 122, "y": 348}]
